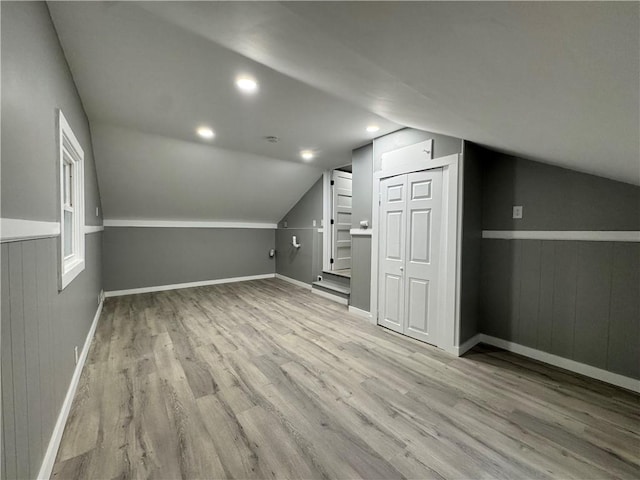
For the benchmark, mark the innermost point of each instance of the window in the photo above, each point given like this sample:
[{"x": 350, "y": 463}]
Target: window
[{"x": 71, "y": 204}]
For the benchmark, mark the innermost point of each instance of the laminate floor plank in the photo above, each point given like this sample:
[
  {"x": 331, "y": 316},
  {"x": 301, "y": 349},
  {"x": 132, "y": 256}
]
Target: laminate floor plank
[{"x": 263, "y": 379}]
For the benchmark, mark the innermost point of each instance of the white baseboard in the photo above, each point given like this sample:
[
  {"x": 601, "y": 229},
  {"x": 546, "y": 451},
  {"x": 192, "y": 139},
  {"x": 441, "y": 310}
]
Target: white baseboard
[
  {"x": 361, "y": 313},
  {"x": 468, "y": 345},
  {"x": 294, "y": 281},
  {"x": 178, "y": 286},
  {"x": 329, "y": 296},
  {"x": 555, "y": 360},
  {"x": 54, "y": 443}
]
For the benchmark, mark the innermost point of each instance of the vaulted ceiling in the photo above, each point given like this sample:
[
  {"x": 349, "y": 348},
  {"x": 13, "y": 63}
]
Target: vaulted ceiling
[{"x": 556, "y": 82}]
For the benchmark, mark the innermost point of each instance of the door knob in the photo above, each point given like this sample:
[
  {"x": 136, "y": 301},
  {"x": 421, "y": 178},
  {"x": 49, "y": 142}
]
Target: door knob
[{"x": 402, "y": 269}]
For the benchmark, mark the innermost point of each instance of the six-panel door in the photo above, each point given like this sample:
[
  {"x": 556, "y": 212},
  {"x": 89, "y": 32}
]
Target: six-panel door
[{"x": 410, "y": 214}]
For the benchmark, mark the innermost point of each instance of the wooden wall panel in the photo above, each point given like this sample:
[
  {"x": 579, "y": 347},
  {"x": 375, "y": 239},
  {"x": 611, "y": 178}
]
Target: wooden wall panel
[{"x": 578, "y": 300}]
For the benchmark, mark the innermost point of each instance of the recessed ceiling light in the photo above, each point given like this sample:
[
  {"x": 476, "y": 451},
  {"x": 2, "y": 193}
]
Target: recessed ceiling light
[
  {"x": 206, "y": 132},
  {"x": 373, "y": 128},
  {"x": 306, "y": 154},
  {"x": 246, "y": 84}
]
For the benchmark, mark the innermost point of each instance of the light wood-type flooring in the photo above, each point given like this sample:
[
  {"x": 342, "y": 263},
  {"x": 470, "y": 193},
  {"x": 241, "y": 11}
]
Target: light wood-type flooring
[{"x": 263, "y": 379}]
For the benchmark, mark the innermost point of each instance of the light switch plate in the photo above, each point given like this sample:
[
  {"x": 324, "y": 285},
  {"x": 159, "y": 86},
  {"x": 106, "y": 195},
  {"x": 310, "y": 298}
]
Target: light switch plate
[
  {"x": 314, "y": 223},
  {"x": 285, "y": 224},
  {"x": 517, "y": 211}
]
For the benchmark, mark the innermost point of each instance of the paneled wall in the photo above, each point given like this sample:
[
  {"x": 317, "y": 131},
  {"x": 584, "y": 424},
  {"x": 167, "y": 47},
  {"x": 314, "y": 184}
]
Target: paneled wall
[
  {"x": 575, "y": 299},
  {"x": 40, "y": 329},
  {"x": 578, "y": 300}
]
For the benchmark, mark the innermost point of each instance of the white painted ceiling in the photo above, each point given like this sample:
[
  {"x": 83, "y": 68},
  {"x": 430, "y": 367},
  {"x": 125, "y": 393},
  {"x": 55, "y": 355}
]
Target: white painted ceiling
[{"x": 556, "y": 82}]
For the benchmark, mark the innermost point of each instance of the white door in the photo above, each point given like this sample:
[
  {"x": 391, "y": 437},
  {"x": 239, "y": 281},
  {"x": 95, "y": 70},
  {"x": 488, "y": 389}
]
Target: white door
[
  {"x": 341, "y": 220},
  {"x": 410, "y": 209},
  {"x": 393, "y": 221}
]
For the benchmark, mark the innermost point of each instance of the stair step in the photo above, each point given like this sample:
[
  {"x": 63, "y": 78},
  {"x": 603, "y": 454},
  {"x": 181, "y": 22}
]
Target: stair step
[
  {"x": 334, "y": 287},
  {"x": 337, "y": 279}
]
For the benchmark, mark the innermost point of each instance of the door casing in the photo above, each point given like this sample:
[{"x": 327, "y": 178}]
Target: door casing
[{"x": 412, "y": 159}]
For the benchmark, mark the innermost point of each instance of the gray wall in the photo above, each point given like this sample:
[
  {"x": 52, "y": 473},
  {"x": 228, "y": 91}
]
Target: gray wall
[
  {"x": 554, "y": 198},
  {"x": 362, "y": 184},
  {"x": 305, "y": 263},
  {"x": 36, "y": 81},
  {"x": 362, "y": 166},
  {"x": 578, "y": 300},
  {"x": 135, "y": 257},
  {"x": 471, "y": 242},
  {"x": 40, "y": 326}
]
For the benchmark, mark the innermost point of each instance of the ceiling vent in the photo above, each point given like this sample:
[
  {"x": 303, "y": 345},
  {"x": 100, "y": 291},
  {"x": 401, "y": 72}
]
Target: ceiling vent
[{"x": 272, "y": 139}]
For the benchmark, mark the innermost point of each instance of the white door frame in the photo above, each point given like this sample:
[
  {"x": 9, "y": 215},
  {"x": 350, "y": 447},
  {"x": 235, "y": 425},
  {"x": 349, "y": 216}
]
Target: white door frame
[
  {"x": 411, "y": 159},
  {"x": 326, "y": 220}
]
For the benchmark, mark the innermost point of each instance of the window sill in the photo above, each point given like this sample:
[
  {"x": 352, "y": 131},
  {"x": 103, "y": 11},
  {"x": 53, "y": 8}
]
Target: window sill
[{"x": 72, "y": 271}]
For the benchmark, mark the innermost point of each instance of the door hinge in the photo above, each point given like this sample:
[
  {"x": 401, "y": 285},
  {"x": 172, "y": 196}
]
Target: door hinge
[
  {"x": 332, "y": 182},
  {"x": 332, "y": 221},
  {"x": 331, "y": 260}
]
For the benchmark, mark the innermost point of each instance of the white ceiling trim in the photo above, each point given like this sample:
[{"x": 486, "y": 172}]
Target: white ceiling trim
[{"x": 185, "y": 224}]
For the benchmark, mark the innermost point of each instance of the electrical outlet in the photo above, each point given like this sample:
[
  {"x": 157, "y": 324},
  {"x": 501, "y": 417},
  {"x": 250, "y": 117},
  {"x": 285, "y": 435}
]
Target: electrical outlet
[
  {"x": 285, "y": 224},
  {"x": 97, "y": 214},
  {"x": 75, "y": 353},
  {"x": 517, "y": 211}
]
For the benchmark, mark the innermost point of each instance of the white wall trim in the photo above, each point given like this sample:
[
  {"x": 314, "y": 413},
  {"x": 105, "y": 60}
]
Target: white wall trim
[
  {"x": 15, "y": 229},
  {"x": 93, "y": 229},
  {"x": 114, "y": 222},
  {"x": 587, "y": 235},
  {"x": 46, "y": 467},
  {"x": 330, "y": 296},
  {"x": 555, "y": 360},
  {"x": 178, "y": 286},
  {"x": 361, "y": 313},
  {"x": 294, "y": 281},
  {"x": 364, "y": 232}
]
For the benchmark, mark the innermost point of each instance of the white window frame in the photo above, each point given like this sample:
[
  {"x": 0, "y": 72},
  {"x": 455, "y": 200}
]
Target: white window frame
[{"x": 71, "y": 153}]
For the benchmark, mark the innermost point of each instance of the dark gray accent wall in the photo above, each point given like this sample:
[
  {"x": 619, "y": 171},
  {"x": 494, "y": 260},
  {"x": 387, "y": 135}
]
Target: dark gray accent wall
[
  {"x": 554, "y": 198},
  {"x": 36, "y": 82},
  {"x": 578, "y": 300},
  {"x": 574, "y": 299},
  {"x": 40, "y": 326},
  {"x": 305, "y": 263},
  {"x": 136, "y": 257},
  {"x": 471, "y": 242}
]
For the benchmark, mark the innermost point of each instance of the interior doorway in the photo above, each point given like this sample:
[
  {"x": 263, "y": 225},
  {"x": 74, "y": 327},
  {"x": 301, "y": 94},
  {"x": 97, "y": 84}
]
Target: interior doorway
[{"x": 341, "y": 205}]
